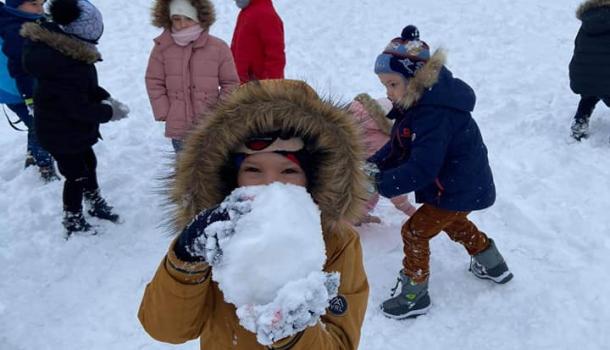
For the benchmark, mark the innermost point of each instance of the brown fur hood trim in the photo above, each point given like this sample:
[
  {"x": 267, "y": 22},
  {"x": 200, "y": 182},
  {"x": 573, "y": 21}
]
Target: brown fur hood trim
[
  {"x": 590, "y": 4},
  {"x": 376, "y": 112},
  {"x": 424, "y": 79},
  {"x": 63, "y": 43},
  {"x": 332, "y": 137},
  {"x": 205, "y": 12}
]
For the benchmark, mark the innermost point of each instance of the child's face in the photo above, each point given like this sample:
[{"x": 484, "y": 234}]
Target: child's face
[
  {"x": 182, "y": 22},
  {"x": 34, "y": 7},
  {"x": 395, "y": 85},
  {"x": 268, "y": 167}
]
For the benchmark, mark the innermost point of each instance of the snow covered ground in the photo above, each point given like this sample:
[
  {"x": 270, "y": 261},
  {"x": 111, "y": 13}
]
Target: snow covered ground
[{"x": 550, "y": 220}]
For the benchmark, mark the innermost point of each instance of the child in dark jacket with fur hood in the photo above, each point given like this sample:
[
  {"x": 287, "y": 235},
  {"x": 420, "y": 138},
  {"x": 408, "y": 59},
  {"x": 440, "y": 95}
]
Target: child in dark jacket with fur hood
[
  {"x": 436, "y": 150},
  {"x": 69, "y": 104},
  {"x": 590, "y": 65}
]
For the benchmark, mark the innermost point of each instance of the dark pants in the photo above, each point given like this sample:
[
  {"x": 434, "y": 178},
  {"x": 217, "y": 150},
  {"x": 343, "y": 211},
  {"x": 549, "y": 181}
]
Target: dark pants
[
  {"x": 427, "y": 222},
  {"x": 41, "y": 156},
  {"x": 586, "y": 106},
  {"x": 79, "y": 171},
  {"x": 177, "y": 144}
]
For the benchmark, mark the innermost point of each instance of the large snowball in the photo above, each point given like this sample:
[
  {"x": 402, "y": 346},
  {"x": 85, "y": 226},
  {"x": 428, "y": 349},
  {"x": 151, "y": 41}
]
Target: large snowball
[{"x": 279, "y": 241}]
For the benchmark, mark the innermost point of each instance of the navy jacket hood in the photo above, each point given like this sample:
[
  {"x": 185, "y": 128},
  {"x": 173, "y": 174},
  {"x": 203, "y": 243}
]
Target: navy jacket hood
[{"x": 449, "y": 92}]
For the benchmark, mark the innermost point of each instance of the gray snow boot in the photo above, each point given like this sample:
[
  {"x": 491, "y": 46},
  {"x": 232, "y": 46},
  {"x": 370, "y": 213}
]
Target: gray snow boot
[
  {"x": 413, "y": 299},
  {"x": 489, "y": 264}
]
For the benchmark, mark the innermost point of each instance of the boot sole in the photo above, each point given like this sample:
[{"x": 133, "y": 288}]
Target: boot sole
[
  {"x": 410, "y": 314},
  {"x": 503, "y": 278}
]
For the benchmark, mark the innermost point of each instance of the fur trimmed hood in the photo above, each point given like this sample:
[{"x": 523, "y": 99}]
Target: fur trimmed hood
[
  {"x": 424, "y": 79},
  {"x": 331, "y": 136},
  {"x": 376, "y": 113},
  {"x": 64, "y": 43},
  {"x": 205, "y": 12},
  {"x": 590, "y": 4}
]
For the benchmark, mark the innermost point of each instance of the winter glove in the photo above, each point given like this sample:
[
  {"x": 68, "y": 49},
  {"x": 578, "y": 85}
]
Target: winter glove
[
  {"x": 119, "y": 109},
  {"x": 298, "y": 305},
  {"x": 372, "y": 172},
  {"x": 200, "y": 240},
  {"x": 29, "y": 103}
]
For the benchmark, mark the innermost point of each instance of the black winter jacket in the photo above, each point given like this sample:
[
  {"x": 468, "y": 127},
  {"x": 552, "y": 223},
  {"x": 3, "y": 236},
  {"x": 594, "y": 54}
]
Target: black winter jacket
[
  {"x": 67, "y": 97},
  {"x": 590, "y": 65}
]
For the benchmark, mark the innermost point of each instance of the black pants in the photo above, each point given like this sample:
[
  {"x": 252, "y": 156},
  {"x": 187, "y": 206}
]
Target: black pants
[
  {"x": 79, "y": 171},
  {"x": 587, "y": 105}
]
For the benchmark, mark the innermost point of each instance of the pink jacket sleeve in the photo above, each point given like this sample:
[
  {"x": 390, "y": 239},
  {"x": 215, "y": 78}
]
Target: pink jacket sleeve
[
  {"x": 227, "y": 75},
  {"x": 155, "y": 85}
]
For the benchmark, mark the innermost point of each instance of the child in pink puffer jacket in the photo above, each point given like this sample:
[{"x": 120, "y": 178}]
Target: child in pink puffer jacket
[
  {"x": 370, "y": 114},
  {"x": 189, "y": 70}
]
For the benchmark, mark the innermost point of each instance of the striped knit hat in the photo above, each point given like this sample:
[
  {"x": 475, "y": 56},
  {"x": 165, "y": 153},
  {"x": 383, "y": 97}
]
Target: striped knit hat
[{"x": 404, "y": 55}]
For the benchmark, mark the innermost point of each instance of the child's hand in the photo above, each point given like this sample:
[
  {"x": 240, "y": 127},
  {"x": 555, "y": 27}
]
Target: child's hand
[
  {"x": 371, "y": 170},
  {"x": 202, "y": 238},
  {"x": 298, "y": 305}
]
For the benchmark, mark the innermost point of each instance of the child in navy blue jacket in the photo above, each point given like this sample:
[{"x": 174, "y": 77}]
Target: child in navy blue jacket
[
  {"x": 12, "y": 16},
  {"x": 436, "y": 150}
]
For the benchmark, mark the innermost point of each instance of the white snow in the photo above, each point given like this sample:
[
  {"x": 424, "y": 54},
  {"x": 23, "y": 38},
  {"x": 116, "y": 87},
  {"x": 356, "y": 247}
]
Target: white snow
[
  {"x": 550, "y": 220},
  {"x": 278, "y": 241}
]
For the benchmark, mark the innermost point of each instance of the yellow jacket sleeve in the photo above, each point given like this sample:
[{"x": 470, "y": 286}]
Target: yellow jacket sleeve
[{"x": 174, "y": 308}]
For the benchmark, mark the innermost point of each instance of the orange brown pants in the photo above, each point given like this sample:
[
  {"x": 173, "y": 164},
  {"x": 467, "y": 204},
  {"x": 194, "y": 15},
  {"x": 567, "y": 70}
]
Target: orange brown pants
[{"x": 427, "y": 222}]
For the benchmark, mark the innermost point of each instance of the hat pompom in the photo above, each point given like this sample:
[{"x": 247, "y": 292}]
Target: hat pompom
[
  {"x": 64, "y": 12},
  {"x": 409, "y": 33}
]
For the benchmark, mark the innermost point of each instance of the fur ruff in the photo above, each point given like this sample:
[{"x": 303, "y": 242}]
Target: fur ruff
[
  {"x": 67, "y": 45},
  {"x": 376, "y": 112},
  {"x": 205, "y": 13},
  {"x": 424, "y": 79},
  {"x": 332, "y": 137},
  {"x": 590, "y": 4}
]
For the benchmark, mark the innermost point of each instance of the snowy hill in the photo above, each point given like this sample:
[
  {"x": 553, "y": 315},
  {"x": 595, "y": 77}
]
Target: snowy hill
[{"x": 550, "y": 220}]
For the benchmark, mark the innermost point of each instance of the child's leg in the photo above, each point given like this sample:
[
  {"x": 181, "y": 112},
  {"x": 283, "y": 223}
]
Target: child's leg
[
  {"x": 467, "y": 234},
  {"x": 402, "y": 203},
  {"x": 585, "y": 108},
  {"x": 41, "y": 156},
  {"x": 90, "y": 161},
  {"x": 427, "y": 222},
  {"x": 74, "y": 169},
  {"x": 177, "y": 144},
  {"x": 580, "y": 125},
  {"x": 367, "y": 218}
]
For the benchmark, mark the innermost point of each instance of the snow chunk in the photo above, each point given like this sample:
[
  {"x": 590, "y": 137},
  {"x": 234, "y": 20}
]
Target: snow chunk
[{"x": 280, "y": 240}]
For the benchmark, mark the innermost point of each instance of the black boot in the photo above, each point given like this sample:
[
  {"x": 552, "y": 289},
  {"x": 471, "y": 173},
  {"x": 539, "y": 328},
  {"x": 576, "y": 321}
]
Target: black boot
[
  {"x": 29, "y": 160},
  {"x": 48, "y": 174},
  {"x": 580, "y": 127},
  {"x": 99, "y": 208},
  {"x": 75, "y": 223}
]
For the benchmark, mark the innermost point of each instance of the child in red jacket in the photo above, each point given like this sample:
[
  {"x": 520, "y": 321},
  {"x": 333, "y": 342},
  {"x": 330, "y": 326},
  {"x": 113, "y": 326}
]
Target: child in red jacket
[{"x": 258, "y": 41}]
